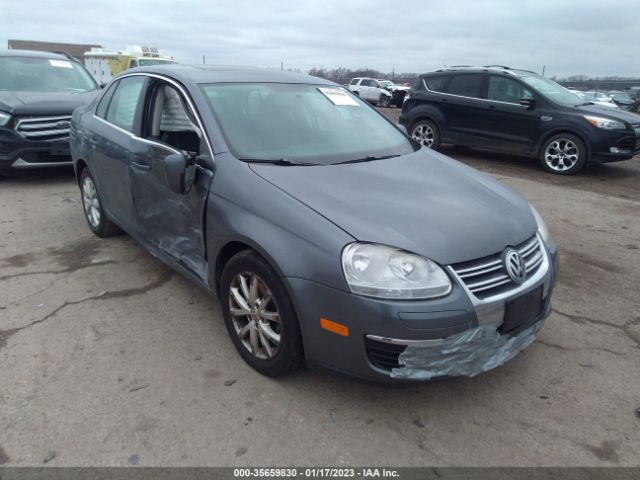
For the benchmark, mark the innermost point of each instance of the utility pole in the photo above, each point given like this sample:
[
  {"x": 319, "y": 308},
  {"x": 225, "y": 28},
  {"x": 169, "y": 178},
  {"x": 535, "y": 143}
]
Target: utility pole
[
  {"x": 281, "y": 65},
  {"x": 393, "y": 75},
  {"x": 544, "y": 67},
  {"x": 203, "y": 59}
]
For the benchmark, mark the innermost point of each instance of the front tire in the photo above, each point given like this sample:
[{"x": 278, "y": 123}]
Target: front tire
[
  {"x": 95, "y": 215},
  {"x": 384, "y": 101},
  {"x": 426, "y": 133},
  {"x": 259, "y": 316},
  {"x": 563, "y": 154}
]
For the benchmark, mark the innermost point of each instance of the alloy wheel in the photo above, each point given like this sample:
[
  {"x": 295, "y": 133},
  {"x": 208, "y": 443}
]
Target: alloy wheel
[
  {"x": 561, "y": 154},
  {"x": 255, "y": 315},
  {"x": 91, "y": 202},
  {"x": 423, "y": 134}
]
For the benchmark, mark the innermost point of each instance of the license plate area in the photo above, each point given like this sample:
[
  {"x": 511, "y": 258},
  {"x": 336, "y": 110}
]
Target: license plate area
[
  {"x": 60, "y": 149},
  {"x": 522, "y": 311}
]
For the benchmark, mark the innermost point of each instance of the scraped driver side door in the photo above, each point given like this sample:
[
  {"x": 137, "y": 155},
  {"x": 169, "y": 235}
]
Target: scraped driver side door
[{"x": 171, "y": 223}]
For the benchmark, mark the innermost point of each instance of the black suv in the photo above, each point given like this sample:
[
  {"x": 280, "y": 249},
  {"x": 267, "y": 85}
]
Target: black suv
[
  {"x": 499, "y": 108},
  {"x": 38, "y": 93}
]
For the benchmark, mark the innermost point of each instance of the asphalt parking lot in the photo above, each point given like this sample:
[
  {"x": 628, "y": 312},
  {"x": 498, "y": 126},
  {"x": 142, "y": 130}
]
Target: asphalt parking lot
[{"x": 109, "y": 358}]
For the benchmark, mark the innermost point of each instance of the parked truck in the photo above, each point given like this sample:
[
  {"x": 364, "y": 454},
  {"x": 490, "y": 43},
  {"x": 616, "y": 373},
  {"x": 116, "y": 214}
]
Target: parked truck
[{"x": 104, "y": 63}]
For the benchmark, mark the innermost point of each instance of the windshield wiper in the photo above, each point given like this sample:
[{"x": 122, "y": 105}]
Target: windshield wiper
[
  {"x": 585, "y": 104},
  {"x": 275, "y": 161},
  {"x": 368, "y": 158}
]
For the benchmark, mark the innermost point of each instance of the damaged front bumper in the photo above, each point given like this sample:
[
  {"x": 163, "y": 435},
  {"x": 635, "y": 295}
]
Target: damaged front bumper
[
  {"x": 468, "y": 354},
  {"x": 399, "y": 341}
]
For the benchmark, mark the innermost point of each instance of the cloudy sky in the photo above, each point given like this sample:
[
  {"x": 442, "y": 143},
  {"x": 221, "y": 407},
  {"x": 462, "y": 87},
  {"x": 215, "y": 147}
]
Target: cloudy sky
[{"x": 592, "y": 37}]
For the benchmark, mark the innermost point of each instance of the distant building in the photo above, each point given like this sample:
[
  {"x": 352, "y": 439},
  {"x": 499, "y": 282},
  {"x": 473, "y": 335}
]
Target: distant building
[{"x": 75, "y": 49}]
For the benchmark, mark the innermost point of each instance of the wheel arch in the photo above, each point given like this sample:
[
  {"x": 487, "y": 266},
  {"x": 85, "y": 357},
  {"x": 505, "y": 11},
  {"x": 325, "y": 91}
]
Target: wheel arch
[
  {"x": 558, "y": 131},
  {"x": 425, "y": 112},
  {"x": 232, "y": 248},
  {"x": 79, "y": 167}
]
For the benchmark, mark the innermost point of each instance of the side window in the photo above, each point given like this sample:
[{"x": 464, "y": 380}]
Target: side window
[
  {"x": 354, "y": 81},
  {"x": 133, "y": 63},
  {"x": 365, "y": 83},
  {"x": 123, "y": 106},
  {"x": 101, "y": 111},
  {"x": 171, "y": 123},
  {"x": 436, "y": 84},
  {"x": 467, "y": 85},
  {"x": 504, "y": 89}
]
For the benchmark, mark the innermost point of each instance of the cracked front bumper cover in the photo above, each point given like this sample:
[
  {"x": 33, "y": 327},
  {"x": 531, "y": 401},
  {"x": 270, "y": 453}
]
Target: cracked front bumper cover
[{"x": 468, "y": 354}]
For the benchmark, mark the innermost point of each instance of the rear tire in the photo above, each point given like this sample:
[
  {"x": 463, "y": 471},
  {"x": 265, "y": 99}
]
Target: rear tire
[
  {"x": 259, "y": 316},
  {"x": 95, "y": 215},
  {"x": 563, "y": 154},
  {"x": 426, "y": 133}
]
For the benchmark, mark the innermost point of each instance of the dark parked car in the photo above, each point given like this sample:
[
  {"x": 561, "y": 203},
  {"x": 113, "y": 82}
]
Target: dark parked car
[
  {"x": 517, "y": 111},
  {"x": 634, "y": 93},
  {"x": 622, "y": 99},
  {"x": 326, "y": 232},
  {"x": 38, "y": 92}
]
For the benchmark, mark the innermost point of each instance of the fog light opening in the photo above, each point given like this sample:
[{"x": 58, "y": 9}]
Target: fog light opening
[{"x": 618, "y": 150}]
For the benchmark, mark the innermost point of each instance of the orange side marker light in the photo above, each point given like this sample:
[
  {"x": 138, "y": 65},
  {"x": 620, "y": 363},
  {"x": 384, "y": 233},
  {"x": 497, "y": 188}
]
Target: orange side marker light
[{"x": 334, "y": 327}]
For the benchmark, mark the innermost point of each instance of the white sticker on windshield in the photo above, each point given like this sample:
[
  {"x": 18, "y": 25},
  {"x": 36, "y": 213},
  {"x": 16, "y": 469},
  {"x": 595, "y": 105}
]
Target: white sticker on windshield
[
  {"x": 60, "y": 63},
  {"x": 338, "y": 96}
]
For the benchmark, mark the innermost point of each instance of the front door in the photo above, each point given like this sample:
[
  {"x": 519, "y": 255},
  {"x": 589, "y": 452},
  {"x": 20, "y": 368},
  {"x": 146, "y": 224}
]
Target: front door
[
  {"x": 507, "y": 124},
  {"x": 171, "y": 223}
]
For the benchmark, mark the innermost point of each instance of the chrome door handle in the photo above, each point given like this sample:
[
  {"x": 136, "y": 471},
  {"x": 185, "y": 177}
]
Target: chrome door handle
[{"x": 140, "y": 166}]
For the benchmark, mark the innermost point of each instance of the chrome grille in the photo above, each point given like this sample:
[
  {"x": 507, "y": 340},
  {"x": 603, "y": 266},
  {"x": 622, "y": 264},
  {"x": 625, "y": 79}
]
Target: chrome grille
[
  {"x": 487, "y": 276},
  {"x": 44, "y": 128}
]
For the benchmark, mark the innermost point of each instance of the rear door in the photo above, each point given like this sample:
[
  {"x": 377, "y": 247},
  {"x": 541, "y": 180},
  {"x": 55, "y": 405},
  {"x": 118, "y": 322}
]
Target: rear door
[
  {"x": 366, "y": 90},
  {"x": 171, "y": 223},
  {"x": 507, "y": 124},
  {"x": 464, "y": 106},
  {"x": 116, "y": 121}
]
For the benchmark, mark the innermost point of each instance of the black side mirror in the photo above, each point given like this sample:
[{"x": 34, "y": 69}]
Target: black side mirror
[
  {"x": 528, "y": 102},
  {"x": 402, "y": 128},
  {"x": 180, "y": 172},
  {"x": 103, "y": 84}
]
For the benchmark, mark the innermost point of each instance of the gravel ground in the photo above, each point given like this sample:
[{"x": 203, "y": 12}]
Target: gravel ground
[{"x": 109, "y": 358}]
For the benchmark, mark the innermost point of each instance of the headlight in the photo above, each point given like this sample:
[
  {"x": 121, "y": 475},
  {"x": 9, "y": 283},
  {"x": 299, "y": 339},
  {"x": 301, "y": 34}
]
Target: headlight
[
  {"x": 542, "y": 227},
  {"x": 384, "y": 272},
  {"x": 4, "y": 118},
  {"x": 605, "y": 123}
]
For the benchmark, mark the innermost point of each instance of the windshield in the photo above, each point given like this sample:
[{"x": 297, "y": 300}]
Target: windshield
[
  {"x": 621, "y": 97},
  {"x": 317, "y": 124},
  {"x": 553, "y": 91},
  {"x": 146, "y": 62},
  {"x": 34, "y": 74}
]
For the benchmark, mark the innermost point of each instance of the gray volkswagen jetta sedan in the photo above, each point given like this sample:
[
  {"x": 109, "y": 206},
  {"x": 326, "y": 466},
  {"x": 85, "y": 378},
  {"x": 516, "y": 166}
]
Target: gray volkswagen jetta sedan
[{"x": 328, "y": 235}]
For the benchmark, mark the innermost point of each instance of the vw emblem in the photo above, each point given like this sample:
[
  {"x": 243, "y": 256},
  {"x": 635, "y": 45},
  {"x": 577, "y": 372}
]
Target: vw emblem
[
  {"x": 514, "y": 264},
  {"x": 63, "y": 124}
]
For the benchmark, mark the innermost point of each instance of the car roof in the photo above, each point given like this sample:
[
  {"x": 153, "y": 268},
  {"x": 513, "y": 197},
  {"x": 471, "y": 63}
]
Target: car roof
[
  {"x": 487, "y": 68},
  {"x": 230, "y": 74},
  {"x": 32, "y": 53}
]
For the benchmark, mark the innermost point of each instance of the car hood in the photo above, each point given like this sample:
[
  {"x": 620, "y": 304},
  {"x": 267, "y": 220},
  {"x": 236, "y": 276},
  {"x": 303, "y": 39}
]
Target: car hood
[
  {"x": 424, "y": 203},
  {"x": 613, "y": 113},
  {"x": 44, "y": 103}
]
